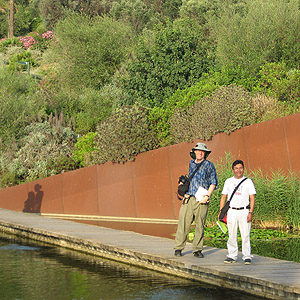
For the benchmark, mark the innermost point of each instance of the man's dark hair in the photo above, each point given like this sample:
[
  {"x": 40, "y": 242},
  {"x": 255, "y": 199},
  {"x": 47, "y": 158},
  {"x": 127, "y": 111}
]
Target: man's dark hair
[{"x": 237, "y": 162}]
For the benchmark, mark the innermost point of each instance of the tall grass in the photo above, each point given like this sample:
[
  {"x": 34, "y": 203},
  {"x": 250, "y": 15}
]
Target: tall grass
[{"x": 277, "y": 201}]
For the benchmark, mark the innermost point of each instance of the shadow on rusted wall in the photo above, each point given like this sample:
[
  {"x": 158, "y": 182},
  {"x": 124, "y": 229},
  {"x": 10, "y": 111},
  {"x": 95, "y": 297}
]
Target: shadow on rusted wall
[{"x": 146, "y": 187}]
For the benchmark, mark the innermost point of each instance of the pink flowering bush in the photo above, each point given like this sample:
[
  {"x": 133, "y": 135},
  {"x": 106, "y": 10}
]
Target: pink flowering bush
[
  {"x": 48, "y": 35},
  {"x": 37, "y": 41},
  {"x": 27, "y": 41},
  {"x": 45, "y": 40}
]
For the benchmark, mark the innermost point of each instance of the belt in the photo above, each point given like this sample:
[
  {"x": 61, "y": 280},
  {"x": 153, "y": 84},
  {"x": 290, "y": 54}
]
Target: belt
[
  {"x": 240, "y": 208},
  {"x": 187, "y": 197}
]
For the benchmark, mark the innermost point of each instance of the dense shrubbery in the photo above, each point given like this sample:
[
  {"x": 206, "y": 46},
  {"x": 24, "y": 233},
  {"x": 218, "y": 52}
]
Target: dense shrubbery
[
  {"x": 53, "y": 11},
  {"x": 171, "y": 57},
  {"x": 184, "y": 99},
  {"x": 195, "y": 68},
  {"x": 281, "y": 82},
  {"x": 124, "y": 135},
  {"x": 45, "y": 149},
  {"x": 134, "y": 12},
  {"x": 5, "y": 43},
  {"x": 227, "y": 109},
  {"x": 181, "y": 99},
  {"x": 83, "y": 149},
  {"x": 19, "y": 105},
  {"x": 267, "y": 31},
  {"x": 83, "y": 110},
  {"x": 88, "y": 51}
]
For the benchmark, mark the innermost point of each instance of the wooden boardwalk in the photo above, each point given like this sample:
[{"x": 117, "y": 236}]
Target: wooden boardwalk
[{"x": 267, "y": 277}]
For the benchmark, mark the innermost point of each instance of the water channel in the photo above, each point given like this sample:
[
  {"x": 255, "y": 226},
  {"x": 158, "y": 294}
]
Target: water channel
[{"x": 31, "y": 270}]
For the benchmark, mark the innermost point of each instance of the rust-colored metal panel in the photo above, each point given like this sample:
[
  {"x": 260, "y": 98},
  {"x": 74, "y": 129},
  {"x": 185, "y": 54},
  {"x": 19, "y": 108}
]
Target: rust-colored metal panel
[
  {"x": 15, "y": 197},
  {"x": 45, "y": 195},
  {"x": 179, "y": 157},
  {"x": 116, "y": 192},
  {"x": 232, "y": 143},
  {"x": 153, "y": 191},
  {"x": 292, "y": 129},
  {"x": 146, "y": 188},
  {"x": 266, "y": 146},
  {"x": 80, "y": 191}
]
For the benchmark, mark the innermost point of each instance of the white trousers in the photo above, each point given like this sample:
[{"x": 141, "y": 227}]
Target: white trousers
[{"x": 238, "y": 219}]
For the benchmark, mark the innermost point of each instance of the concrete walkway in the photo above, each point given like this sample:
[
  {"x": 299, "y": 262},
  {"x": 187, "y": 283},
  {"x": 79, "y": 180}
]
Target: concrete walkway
[{"x": 268, "y": 277}]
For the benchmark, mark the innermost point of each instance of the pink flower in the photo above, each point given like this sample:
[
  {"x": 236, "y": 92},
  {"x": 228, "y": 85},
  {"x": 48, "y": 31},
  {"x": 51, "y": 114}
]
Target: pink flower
[
  {"x": 48, "y": 35},
  {"x": 27, "y": 41}
]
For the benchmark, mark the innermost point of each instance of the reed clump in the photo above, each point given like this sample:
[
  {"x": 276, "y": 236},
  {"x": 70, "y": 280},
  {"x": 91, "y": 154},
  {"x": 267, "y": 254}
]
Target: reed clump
[{"x": 277, "y": 201}]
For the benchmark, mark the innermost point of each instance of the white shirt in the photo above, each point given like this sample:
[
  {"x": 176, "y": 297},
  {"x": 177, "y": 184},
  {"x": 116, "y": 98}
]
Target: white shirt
[{"x": 241, "y": 196}]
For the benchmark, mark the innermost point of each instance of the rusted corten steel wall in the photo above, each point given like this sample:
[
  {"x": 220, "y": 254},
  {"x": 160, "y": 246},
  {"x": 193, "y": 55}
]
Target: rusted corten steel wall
[{"x": 146, "y": 187}]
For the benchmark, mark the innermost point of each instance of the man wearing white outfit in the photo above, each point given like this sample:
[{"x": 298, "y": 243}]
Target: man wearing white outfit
[{"x": 240, "y": 212}]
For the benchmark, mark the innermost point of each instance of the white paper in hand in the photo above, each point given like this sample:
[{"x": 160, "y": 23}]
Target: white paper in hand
[{"x": 200, "y": 193}]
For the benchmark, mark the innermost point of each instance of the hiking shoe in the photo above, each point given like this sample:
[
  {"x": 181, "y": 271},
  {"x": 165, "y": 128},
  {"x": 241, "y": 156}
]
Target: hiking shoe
[
  {"x": 198, "y": 254},
  {"x": 229, "y": 260},
  {"x": 247, "y": 261},
  {"x": 178, "y": 253}
]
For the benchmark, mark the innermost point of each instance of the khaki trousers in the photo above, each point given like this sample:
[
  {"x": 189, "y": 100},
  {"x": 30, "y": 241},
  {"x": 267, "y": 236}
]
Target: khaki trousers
[{"x": 189, "y": 212}]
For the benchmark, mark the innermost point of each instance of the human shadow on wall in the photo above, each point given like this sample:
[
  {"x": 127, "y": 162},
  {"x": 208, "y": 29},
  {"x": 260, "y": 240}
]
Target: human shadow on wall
[{"x": 34, "y": 200}]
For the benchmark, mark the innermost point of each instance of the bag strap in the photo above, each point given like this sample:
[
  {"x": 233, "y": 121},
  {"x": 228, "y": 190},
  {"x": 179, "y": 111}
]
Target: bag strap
[
  {"x": 235, "y": 189},
  {"x": 197, "y": 168}
]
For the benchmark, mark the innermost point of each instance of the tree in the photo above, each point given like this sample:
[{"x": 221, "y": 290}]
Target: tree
[
  {"x": 268, "y": 31},
  {"x": 19, "y": 105},
  {"x": 18, "y": 17},
  {"x": 135, "y": 12},
  {"x": 205, "y": 11},
  {"x": 52, "y": 11},
  {"x": 173, "y": 56},
  {"x": 11, "y": 18},
  {"x": 89, "y": 50},
  {"x": 5, "y": 17}
]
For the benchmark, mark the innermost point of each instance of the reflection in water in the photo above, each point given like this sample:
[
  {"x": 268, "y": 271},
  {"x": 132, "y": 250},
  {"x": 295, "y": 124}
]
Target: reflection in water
[
  {"x": 17, "y": 247},
  {"x": 160, "y": 230},
  {"x": 37, "y": 271}
]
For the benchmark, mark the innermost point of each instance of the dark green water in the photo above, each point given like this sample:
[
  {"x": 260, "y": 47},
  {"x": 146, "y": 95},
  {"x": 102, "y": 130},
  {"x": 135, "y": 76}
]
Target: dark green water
[{"x": 30, "y": 270}]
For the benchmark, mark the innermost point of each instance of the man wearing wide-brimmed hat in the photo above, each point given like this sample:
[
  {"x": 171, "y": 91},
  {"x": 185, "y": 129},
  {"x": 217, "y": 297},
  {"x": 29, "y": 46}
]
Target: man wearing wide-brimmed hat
[{"x": 195, "y": 202}]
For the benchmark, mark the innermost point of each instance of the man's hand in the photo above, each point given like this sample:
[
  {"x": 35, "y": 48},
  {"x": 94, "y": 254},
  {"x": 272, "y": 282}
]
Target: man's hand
[
  {"x": 205, "y": 199},
  {"x": 249, "y": 217}
]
